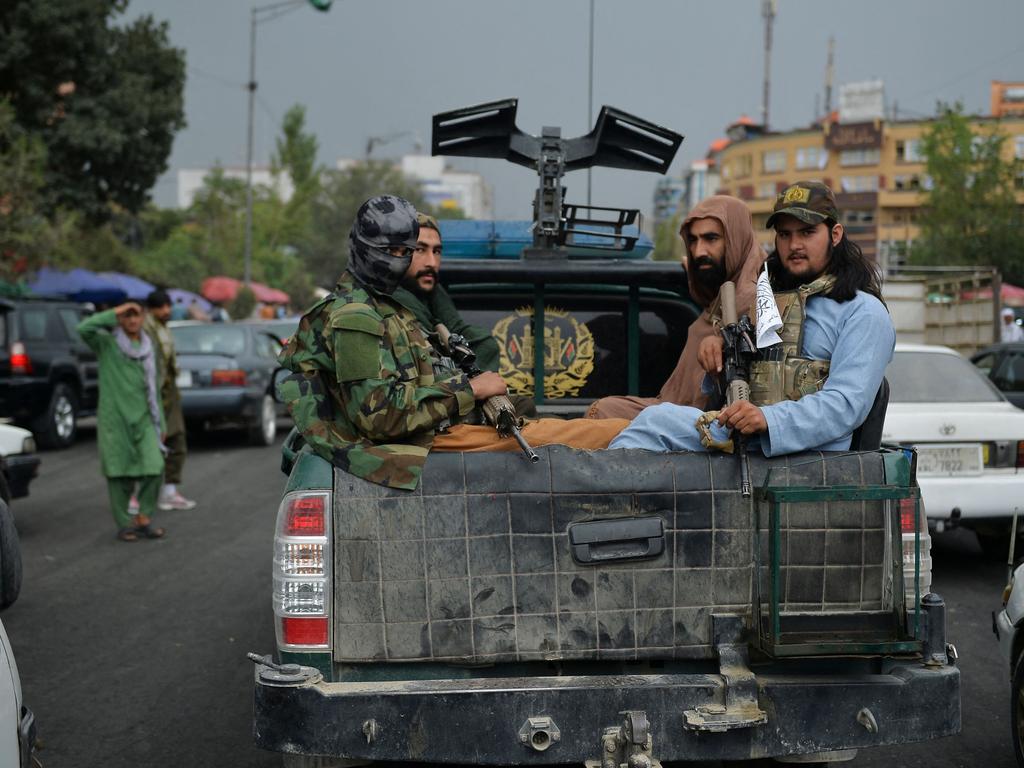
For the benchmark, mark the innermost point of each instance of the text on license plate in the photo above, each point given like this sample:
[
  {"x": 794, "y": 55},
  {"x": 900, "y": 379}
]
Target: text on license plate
[
  {"x": 962, "y": 459},
  {"x": 184, "y": 379}
]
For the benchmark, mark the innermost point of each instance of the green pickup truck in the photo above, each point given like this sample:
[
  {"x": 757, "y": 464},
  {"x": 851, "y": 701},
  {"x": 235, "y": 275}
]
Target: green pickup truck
[{"x": 616, "y": 608}]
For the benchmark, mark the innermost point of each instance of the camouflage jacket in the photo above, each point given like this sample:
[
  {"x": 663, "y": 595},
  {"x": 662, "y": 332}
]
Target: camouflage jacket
[
  {"x": 438, "y": 307},
  {"x": 362, "y": 391}
]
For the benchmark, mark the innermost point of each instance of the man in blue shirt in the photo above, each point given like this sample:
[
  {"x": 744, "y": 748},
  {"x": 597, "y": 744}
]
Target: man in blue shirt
[{"x": 845, "y": 326}]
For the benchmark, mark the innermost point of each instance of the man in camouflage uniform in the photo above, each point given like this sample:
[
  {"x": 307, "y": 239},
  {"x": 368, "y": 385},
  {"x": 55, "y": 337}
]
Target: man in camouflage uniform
[{"x": 363, "y": 391}]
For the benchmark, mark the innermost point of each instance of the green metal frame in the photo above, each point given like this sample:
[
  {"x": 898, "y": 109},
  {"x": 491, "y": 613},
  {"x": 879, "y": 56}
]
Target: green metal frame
[{"x": 771, "y": 636}]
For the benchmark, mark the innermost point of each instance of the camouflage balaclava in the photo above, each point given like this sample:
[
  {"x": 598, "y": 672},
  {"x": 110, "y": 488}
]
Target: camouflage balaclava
[{"x": 382, "y": 223}]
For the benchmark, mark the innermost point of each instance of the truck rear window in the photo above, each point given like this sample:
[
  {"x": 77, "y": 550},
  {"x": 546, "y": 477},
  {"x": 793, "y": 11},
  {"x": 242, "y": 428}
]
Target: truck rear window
[{"x": 585, "y": 340}]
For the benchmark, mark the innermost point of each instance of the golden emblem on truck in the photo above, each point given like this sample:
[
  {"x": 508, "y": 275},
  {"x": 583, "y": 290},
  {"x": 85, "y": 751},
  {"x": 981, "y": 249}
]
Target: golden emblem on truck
[{"x": 568, "y": 352}]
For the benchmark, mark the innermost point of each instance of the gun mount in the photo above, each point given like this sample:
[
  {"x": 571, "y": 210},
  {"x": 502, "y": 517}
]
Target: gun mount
[{"x": 618, "y": 140}]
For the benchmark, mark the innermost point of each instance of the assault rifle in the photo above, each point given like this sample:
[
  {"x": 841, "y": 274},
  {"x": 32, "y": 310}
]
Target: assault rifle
[
  {"x": 738, "y": 351},
  {"x": 498, "y": 409}
]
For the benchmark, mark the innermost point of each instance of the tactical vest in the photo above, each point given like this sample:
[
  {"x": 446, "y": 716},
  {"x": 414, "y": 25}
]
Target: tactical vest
[{"x": 786, "y": 375}]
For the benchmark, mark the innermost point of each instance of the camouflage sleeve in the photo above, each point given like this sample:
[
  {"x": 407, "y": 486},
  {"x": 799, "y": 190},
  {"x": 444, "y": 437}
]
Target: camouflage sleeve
[{"x": 380, "y": 391}]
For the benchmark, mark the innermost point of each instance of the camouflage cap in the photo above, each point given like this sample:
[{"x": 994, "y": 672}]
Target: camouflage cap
[
  {"x": 810, "y": 201},
  {"x": 428, "y": 222}
]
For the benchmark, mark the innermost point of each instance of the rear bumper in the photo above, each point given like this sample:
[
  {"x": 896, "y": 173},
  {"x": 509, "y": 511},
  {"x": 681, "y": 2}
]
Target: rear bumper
[
  {"x": 219, "y": 402},
  {"x": 24, "y": 398},
  {"x": 479, "y": 721},
  {"x": 991, "y": 495},
  {"x": 21, "y": 468}
]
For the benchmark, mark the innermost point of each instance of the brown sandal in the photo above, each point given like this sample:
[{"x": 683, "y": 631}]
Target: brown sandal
[
  {"x": 150, "y": 532},
  {"x": 128, "y": 534}
]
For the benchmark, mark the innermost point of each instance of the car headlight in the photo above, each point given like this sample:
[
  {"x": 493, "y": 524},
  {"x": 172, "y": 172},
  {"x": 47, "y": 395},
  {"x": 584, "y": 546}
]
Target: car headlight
[{"x": 28, "y": 445}]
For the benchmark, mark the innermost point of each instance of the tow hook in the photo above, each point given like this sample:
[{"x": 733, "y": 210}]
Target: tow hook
[
  {"x": 628, "y": 746},
  {"x": 283, "y": 674}
]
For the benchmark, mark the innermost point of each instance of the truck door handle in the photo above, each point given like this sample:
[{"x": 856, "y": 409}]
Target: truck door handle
[{"x": 627, "y": 538}]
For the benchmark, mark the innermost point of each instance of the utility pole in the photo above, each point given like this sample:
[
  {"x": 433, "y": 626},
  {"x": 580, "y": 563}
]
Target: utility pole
[
  {"x": 260, "y": 14},
  {"x": 768, "y": 14},
  {"x": 829, "y": 73},
  {"x": 590, "y": 88}
]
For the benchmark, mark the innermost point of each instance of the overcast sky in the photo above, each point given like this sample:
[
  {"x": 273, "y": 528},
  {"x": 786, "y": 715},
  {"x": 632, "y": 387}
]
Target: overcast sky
[{"x": 383, "y": 67}]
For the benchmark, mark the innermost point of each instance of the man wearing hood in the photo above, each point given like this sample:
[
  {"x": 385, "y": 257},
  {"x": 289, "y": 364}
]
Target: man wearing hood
[
  {"x": 363, "y": 390},
  {"x": 720, "y": 245},
  {"x": 836, "y": 341}
]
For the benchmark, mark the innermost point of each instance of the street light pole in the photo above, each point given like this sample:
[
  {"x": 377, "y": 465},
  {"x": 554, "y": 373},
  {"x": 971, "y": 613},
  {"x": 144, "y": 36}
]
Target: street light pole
[
  {"x": 275, "y": 10},
  {"x": 590, "y": 88}
]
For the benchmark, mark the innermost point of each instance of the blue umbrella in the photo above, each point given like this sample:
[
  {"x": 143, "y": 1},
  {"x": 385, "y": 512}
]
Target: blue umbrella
[
  {"x": 179, "y": 296},
  {"x": 77, "y": 285},
  {"x": 135, "y": 288}
]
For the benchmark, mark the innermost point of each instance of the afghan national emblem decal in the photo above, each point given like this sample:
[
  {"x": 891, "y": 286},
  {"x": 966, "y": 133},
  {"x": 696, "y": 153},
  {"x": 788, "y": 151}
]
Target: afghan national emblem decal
[{"x": 568, "y": 352}]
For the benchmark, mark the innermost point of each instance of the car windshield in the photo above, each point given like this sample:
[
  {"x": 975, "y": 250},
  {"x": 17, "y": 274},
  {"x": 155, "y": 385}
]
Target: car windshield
[
  {"x": 215, "y": 338},
  {"x": 937, "y": 377}
]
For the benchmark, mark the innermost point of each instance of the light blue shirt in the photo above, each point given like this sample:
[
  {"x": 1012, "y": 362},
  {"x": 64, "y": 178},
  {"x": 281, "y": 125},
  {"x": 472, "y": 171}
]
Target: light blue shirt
[{"x": 857, "y": 336}]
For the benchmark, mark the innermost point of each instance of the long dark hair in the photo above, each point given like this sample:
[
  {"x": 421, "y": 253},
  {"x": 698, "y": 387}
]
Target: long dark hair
[{"x": 846, "y": 261}]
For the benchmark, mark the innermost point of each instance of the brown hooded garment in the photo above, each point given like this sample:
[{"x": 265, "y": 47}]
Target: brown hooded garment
[{"x": 743, "y": 261}]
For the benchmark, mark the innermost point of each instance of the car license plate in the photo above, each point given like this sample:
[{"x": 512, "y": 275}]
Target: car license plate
[
  {"x": 949, "y": 460},
  {"x": 184, "y": 379}
]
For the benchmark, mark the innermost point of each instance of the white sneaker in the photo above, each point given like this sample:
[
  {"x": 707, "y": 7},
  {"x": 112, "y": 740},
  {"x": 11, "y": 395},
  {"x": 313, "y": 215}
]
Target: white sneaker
[
  {"x": 175, "y": 501},
  {"x": 133, "y": 505}
]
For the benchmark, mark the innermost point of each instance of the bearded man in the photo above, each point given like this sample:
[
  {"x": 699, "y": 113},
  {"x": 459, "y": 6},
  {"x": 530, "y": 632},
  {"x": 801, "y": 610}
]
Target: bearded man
[
  {"x": 720, "y": 245},
  {"x": 842, "y": 330}
]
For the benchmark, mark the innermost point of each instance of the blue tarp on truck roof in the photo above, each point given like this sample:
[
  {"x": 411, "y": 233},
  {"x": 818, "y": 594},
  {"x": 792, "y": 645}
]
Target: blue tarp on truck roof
[{"x": 465, "y": 239}]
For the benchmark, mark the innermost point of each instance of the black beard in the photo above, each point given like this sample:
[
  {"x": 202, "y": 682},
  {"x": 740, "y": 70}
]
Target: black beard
[
  {"x": 782, "y": 280},
  {"x": 710, "y": 278},
  {"x": 412, "y": 285}
]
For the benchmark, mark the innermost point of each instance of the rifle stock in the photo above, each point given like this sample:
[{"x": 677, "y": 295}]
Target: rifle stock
[
  {"x": 498, "y": 409},
  {"x": 736, "y": 372}
]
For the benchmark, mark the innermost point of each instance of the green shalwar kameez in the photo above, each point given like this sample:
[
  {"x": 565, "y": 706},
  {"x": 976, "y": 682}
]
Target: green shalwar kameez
[{"x": 127, "y": 438}]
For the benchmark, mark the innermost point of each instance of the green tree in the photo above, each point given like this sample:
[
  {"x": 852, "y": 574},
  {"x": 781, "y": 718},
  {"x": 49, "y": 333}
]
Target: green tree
[
  {"x": 970, "y": 215},
  {"x": 24, "y": 231},
  {"x": 668, "y": 245},
  {"x": 106, "y": 100}
]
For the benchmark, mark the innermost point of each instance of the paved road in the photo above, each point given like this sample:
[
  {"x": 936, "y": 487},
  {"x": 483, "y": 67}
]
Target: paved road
[{"x": 133, "y": 654}]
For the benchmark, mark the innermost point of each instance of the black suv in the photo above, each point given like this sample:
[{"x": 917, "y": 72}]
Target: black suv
[{"x": 48, "y": 376}]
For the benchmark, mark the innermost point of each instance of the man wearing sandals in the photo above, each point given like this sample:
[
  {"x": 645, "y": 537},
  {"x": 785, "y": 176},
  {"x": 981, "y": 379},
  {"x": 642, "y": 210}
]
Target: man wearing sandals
[{"x": 130, "y": 422}]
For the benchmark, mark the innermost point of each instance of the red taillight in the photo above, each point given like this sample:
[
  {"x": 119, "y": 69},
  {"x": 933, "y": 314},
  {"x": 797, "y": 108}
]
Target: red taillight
[
  {"x": 908, "y": 515},
  {"x": 1020, "y": 454},
  {"x": 305, "y": 516},
  {"x": 303, "y": 631},
  {"x": 20, "y": 361},
  {"x": 227, "y": 378}
]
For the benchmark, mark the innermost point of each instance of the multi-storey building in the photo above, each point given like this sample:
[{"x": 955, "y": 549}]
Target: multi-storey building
[{"x": 875, "y": 168}]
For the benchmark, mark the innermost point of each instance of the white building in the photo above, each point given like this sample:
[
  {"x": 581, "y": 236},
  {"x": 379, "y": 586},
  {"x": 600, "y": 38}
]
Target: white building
[
  {"x": 447, "y": 188},
  {"x": 190, "y": 181}
]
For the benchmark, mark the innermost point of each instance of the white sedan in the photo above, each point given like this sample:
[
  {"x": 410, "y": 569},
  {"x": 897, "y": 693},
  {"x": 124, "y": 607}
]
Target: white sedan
[{"x": 969, "y": 440}]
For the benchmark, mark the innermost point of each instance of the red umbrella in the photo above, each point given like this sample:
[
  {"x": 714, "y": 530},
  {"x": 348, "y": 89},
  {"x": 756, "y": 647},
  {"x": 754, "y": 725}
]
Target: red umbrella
[
  {"x": 1010, "y": 295},
  {"x": 223, "y": 289}
]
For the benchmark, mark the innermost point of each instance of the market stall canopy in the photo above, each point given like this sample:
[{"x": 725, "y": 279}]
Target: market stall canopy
[
  {"x": 77, "y": 285},
  {"x": 135, "y": 287},
  {"x": 187, "y": 298},
  {"x": 221, "y": 289},
  {"x": 1009, "y": 295}
]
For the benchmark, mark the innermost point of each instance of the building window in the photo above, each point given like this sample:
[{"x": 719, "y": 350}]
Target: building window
[
  {"x": 907, "y": 182},
  {"x": 811, "y": 158},
  {"x": 1018, "y": 147},
  {"x": 859, "y": 183},
  {"x": 909, "y": 151},
  {"x": 859, "y": 157},
  {"x": 1018, "y": 182},
  {"x": 774, "y": 161},
  {"x": 743, "y": 166},
  {"x": 766, "y": 189}
]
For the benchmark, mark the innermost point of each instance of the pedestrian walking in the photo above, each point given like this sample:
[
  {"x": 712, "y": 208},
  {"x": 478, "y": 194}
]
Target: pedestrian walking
[{"x": 130, "y": 425}]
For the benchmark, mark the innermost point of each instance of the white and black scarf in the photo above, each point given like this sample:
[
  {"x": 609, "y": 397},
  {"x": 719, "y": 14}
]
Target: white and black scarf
[{"x": 143, "y": 352}]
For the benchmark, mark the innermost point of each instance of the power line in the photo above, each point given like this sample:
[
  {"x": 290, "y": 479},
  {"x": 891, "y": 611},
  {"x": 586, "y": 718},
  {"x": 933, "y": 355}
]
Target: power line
[
  {"x": 215, "y": 77},
  {"x": 966, "y": 73}
]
